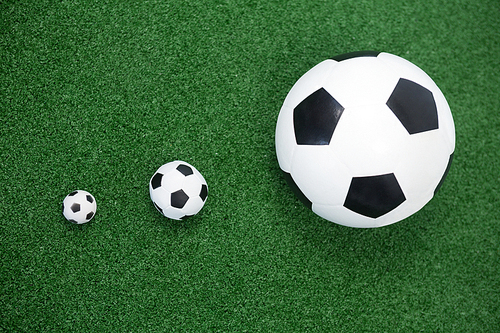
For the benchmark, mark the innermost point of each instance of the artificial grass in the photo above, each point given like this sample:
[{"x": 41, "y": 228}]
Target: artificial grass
[{"x": 97, "y": 95}]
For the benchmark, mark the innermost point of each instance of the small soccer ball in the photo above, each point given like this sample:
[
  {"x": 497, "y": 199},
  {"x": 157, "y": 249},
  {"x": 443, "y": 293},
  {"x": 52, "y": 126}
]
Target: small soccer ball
[
  {"x": 79, "y": 207},
  {"x": 365, "y": 139},
  {"x": 178, "y": 190}
]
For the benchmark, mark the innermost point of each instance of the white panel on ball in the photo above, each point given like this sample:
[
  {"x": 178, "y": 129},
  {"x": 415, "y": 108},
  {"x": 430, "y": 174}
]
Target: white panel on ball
[
  {"x": 172, "y": 181},
  {"x": 314, "y": 179},
  {"x": 347, "y": 82},
  {"x": 285, "y": 138},
  {"x": 446, "y": 123},
  {"x": 415, "y": 174},
  {"x": 369, "y": 140}
]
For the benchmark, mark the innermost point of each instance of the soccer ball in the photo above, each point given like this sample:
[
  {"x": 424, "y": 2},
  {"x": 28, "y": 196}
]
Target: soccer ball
[
  {"x": 79, "y": 207},
  {"x": 365, "y": 139},
  {"x": 178, "y": 190}
]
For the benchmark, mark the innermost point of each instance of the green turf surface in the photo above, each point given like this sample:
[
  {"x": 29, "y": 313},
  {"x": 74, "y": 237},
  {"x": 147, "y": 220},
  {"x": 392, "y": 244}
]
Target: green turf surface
[{"x": 96, "y": 95}]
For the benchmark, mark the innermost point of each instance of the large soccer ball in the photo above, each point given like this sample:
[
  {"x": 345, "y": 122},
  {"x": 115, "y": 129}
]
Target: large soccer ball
[
  {"x": 365, "y": 139},
  {"x": 79, "y": 207},
  {"x": 178, "y": 190}
]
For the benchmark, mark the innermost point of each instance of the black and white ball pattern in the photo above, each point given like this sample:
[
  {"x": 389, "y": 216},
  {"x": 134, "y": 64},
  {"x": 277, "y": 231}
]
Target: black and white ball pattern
[
  {"x": 178, "y": 190},
  {"x": 365, "y": 139},
  {"x": 79, "y": 207}
]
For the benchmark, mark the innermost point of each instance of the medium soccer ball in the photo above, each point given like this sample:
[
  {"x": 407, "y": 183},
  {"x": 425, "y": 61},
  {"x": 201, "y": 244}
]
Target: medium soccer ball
[
  {"x": 79, "y": 207},
  {"x": 178, "y": 190},
  {"x": 365, "y": 139}
]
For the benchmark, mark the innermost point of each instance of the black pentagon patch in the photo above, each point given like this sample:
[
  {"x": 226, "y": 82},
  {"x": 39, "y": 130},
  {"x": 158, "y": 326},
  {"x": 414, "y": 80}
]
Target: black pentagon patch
[
  {"x": 184, "y": 169},
  {"x": 75, "y": 207},
  {"x": 73, "y": 221},
  {"x": 356, "y": 54},
  {"x": 89, "y": 216},
  {"x": 72, "y": 193},
  {"x": 414, "y": 106},
  {"x": 315, "y": 118},
  {"x": 156, "y": 180},
  {"x": 296, "y": 190},
  {"x": 185, "y": 217},
  {"x": 178, "y": 199},
  {"x": 374, "y": 196},
  {"x": 444, "y": 175},
  {"x": 90, "y": 199},
  {"x": 203, "y": 192}
]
